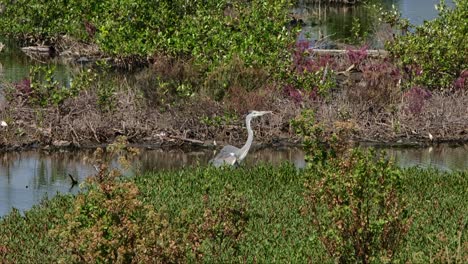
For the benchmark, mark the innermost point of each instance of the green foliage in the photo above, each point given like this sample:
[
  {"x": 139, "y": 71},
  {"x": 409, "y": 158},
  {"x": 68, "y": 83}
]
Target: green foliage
[
  {"x": 209, "y": 31},
  {"x": 322, "y": 142},
  {"x": 24, "y": 237},
  {"x": 263, "y": 207},
  {"x": 110, "y": 224},
  {"x": 436, "y": 53},
  {"x": 354, "y": 197},
  {"x": 42, "y": 19},
  {"x": 320, "y": 81},
  {"x": 212, "y": 36},
  {"x": 358, "y": 207},
  {"x": 226, "y": 119},
  {"x": 47, "y": 91}
]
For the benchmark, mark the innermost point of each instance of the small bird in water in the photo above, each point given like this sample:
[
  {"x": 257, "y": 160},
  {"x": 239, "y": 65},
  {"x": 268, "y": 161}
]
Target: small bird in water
[{"x": 74, "y": 181}]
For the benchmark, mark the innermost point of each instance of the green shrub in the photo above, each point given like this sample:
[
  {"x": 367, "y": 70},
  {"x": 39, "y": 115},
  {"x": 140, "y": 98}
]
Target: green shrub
[
  {"x": 109, "y": 223},
  {"x": 212, "y": 36},
  {"x": 358, "y": 209},
  {"x": 354, "y": 196},
  {"x": 209, "y": 31},
  {"x": 43, "y": 89},
  {"x": 436, "y": 53},
  {"x": 322, "y": 142}
]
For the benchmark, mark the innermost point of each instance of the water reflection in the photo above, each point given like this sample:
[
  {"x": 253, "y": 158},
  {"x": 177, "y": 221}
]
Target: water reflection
[
  {"x": 442, "y": 157},
  {"x": 154, "y": 160},
  {"x": 347, "y": 24},
  {"x": 15, "y": 64},
  {"x": 27, "y": 177}
]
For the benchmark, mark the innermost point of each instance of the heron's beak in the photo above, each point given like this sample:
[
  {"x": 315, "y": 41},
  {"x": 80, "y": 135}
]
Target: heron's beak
[{"x": 265, "y": 112}]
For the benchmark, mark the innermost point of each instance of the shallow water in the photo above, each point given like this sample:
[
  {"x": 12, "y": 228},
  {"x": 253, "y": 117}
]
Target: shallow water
[
  {"x": 335, "y": 23},
  {"x": 29, "y": 176},
  {"x": 15, "y": 64}
]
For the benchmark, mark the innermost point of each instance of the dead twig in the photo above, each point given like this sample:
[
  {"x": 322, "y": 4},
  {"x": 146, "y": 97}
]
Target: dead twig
[
  {"x": 77, "y": 141},
  {"x": 94, "y": 131}
]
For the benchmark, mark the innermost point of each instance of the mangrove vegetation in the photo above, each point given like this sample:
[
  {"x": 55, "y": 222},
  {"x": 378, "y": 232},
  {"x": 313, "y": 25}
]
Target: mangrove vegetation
[{"x": 183, "y": 73}]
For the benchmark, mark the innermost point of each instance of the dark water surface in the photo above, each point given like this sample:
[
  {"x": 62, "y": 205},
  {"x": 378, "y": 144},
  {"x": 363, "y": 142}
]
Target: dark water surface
[
  {"x": 341, "y": 24},
  {"x": 29, "y": 176}
]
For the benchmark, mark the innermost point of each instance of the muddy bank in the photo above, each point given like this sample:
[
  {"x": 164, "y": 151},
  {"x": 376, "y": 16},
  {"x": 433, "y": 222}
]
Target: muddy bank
[
  {"x": 173, "y": 104},
  {"x": 202, "y": 122},
  {"x": 80, "y": 122}
]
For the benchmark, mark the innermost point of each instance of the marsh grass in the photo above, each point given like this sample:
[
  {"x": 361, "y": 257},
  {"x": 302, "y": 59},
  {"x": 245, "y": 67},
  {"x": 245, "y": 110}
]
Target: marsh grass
[
  {"x": 262, "y": 208},
  {"x": 438, "y": 203}
]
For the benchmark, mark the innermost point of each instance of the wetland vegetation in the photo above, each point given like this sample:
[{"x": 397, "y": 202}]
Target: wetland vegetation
[
  {"x": 347, "y": 207},
  {"x": 197, "y": 68},
  {"x": 230, "y": 57}
]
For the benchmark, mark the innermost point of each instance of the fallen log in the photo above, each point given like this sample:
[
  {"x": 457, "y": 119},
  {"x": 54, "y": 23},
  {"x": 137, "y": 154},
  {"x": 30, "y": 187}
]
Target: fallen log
[
  {"x": 193, "y": 141},
  {"x": 335, "y": 52},
  {"x": 333, "y": 2},
  {"x": 38, "y": 49}
]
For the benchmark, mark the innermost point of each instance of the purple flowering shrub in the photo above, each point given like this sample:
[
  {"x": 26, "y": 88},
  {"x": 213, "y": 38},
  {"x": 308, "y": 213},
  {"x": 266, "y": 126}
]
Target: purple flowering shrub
[
  {"x": 357, "y": 56},
  {"x": 461, "y": 83},
  {"x": 23, "y": 87},
  {"x": 416, "y": 98},
  {"x": 310, "y": 76}
]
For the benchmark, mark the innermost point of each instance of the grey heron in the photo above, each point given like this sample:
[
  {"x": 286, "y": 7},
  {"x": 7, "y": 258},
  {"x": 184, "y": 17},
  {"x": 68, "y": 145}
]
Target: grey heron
[{"x": 230, "y": 155}]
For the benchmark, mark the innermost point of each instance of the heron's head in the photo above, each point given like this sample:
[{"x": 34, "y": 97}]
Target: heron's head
[{"x": 254, "y": 113}]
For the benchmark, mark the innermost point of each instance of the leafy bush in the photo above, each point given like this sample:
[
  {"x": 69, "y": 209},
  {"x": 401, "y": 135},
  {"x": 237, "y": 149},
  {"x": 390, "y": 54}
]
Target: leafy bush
[
  {"x": 354, "y": 198},
  {"x": 212, "y": 36},
  {"x": 209, "y": 31},
  {"x": 110, "y": 224},
  {"x": 310, "y": 75},
  {"x": 42, "y": 88},
  {"x": 322, "y": 142},
  {"x": 358, "y": 209},
  {"x": 45, "y": 89},
  {"x": 436, "y": 53}
]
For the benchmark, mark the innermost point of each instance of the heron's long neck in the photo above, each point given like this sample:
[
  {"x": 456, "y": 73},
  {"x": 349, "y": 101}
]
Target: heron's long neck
[{"x": 246, "y": 147}]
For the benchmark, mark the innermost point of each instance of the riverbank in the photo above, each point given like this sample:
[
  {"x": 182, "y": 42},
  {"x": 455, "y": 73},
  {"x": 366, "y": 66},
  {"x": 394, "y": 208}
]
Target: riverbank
[
  {"x": 263, "y": 218},
  {"x": 376, "y": 113}
]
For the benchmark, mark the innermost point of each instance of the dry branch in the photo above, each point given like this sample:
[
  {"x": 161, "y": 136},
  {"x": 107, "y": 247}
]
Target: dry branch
[{"x": 335, "y": 52}]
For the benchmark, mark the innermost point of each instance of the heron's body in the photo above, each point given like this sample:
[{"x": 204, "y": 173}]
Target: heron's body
[
  {"x": 227, "y": 156},
  {"x": 230, "y": 155}
]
